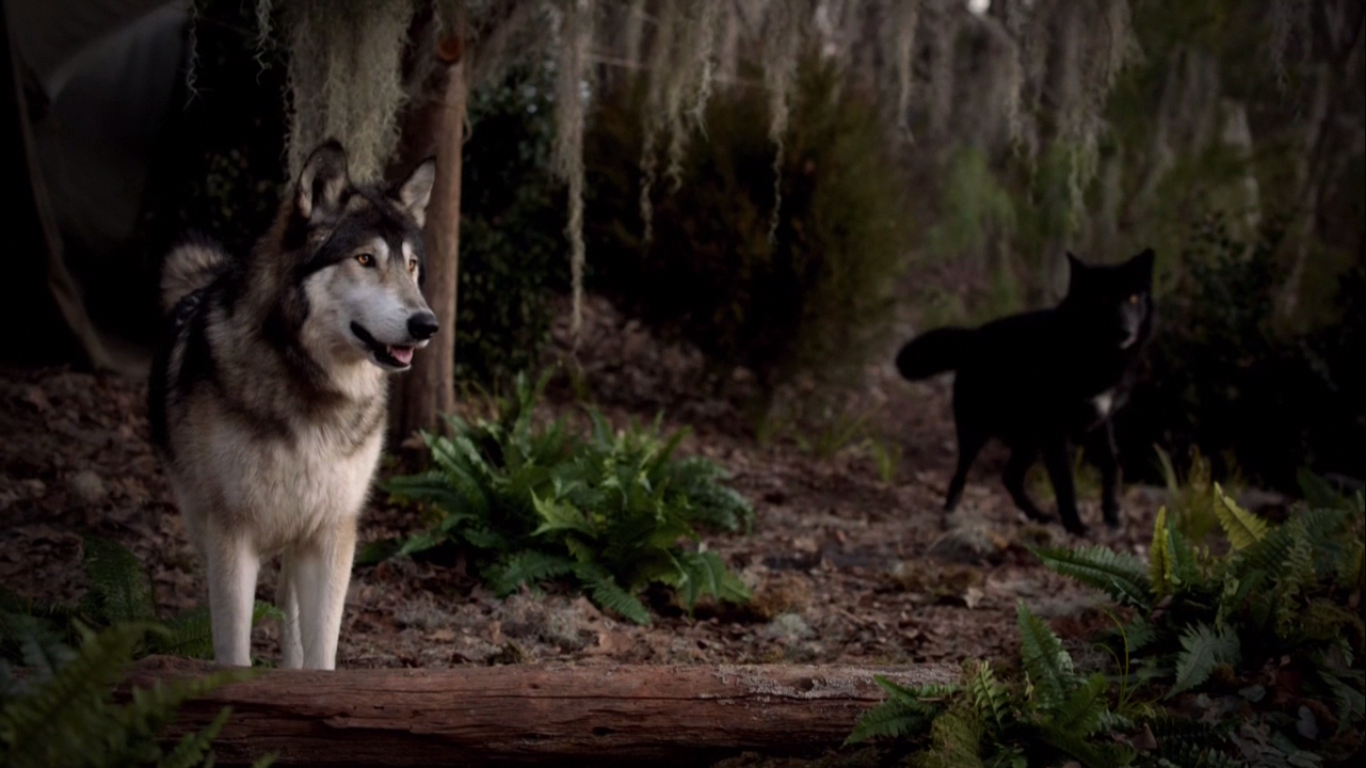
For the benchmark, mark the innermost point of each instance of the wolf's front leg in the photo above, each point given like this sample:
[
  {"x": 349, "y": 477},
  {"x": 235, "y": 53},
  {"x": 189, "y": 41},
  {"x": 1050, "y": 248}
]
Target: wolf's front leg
[
  {"x": 233, "y": 564},
  {"x": 320, "y": 573},
  {"x": 1060, "y": 473},
  {"x": 287, "y": 600}
]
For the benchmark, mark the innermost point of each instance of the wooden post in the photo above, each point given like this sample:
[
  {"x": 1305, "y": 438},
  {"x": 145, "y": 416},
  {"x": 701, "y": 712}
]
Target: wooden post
[
  {"x": 436, "y": 126},
  {"x": 555, "y": 714}
]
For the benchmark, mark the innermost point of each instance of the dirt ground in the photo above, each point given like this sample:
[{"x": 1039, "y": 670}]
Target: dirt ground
[{"x": 844, "y": 567}]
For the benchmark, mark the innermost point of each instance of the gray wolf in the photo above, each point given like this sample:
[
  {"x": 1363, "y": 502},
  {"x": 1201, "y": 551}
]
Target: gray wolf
[
  {"x": 1040, "y": 380},
  {"x": 267, "y": 397}
]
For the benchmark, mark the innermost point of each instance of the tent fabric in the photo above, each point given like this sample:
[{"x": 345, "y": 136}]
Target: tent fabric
[{"x": 96, "y": 78}]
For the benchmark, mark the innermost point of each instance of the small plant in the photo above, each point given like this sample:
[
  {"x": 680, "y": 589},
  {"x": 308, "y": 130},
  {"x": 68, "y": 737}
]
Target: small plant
[
  {"x": 1251, "y": 657},
  {"x": 61, "y": 712},
  {"x": 1048, "y": 715},
  {"x": 607, "y": 511},
  {"x": 120, "y": 593},
  {"x": 1272, "y": 623},
  {"x": 1190, "y": 499}
]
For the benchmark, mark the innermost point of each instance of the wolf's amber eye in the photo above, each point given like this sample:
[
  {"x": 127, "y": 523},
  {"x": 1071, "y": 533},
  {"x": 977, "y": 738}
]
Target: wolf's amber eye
[
  {"x": 412, "y": 267},
  {"x": 1133, "y": 299},
  {"x": 365, "y": 259}
]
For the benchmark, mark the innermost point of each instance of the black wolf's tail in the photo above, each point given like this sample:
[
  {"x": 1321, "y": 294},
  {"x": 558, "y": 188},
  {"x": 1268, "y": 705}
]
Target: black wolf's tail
[{"x": 933, "y": 352}]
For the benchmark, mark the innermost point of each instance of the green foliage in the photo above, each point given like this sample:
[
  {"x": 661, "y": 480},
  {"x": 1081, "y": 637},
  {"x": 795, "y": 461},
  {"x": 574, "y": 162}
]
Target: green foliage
[
  {"x": 1229, "y": 377},
  {"x": 607, "y": 511},
  {"x": 511, "y": 229},
  {"x": 1190, "y": 498},
  {"x": 120, "y": 593},
  {"x": 62, "y": 711},
  {"x": 1278, "y": 606},
  {"x": 1228, "y": 660},
  {"x": 814, "y": 300},
  {"x": 1045, "y": 716}
]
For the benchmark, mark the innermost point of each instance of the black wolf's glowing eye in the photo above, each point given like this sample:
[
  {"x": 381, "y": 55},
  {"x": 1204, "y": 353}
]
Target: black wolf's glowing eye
[
  {"x": 365, "y": 259},
  {"x": 1133, "y": 299}
]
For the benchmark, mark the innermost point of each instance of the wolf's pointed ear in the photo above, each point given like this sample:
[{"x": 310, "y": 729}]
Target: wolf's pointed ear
[
  {"x": 414, "y": 194},
  {"x": 322, "y": 181},
  {"x": 1143, "y": 264}
]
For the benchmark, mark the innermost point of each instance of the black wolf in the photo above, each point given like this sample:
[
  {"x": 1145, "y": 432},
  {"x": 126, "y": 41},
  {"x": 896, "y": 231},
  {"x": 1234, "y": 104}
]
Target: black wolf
[{"x": 1039, "y": 380}]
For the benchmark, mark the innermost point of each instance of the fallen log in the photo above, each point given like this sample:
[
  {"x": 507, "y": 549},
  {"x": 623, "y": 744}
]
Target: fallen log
[{"x": 544, "y": 714}]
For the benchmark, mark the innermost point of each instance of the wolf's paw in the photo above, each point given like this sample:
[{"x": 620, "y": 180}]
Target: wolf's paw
[{"x": 1079, "y": 530}]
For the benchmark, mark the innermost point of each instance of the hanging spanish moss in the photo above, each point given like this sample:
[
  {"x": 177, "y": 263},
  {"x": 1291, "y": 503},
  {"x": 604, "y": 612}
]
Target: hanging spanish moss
[
  {"x": 573, "y": 22},
  {"x": 345, "y": 80},
  {"x": 344, "y": 76}
]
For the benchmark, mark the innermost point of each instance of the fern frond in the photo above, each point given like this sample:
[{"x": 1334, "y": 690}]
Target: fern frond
[
  {"x": 190, "y": 633},
  {"x": 1243, "y": 528},
  {"x": 1203, "y": 649},
  {"x": 1298, "y": 575},
  {"x": 905, "y": 711},
  {"x": 1049, "y": 666},
  {"x": 1121, "y": 576},
  {"x": 34, "y": 643},
  {"x": 703, "y": 573},
  {"x": 1160, "y": 557},
  {"x": 193, "y": 748},
  {"x": 988, "y": 697},
  {"x": 526, "y": 567},
  {"x": 1084, "y": 710},
  {"x": 119, "y": 588},
  {"x": 608, "y": 594},
  {"x": 955, "y": 740}
]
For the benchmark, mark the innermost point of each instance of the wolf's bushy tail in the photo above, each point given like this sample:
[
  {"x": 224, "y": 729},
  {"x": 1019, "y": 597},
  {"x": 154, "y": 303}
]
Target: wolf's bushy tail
[
  {"x": 934, "y": 352},
  {"x": 189, "y": 267}
]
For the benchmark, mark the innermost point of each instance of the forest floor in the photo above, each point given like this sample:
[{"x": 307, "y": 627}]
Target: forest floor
[{"x": 847, "y": 564}]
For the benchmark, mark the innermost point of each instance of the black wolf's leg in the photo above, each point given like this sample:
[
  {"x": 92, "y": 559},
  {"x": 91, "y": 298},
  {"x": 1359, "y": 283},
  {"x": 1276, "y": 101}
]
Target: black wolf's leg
[
  {"x": 970, "y": 443},
  {"x": 1060, "y": 472},
  {"x": 1103, "y": 456},
  {"x": 1014, "y": 477}
]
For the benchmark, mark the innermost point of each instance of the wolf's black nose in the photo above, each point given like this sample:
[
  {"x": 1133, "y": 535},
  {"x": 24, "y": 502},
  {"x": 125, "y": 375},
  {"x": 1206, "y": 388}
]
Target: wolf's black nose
[{"x": 422, "y": 326}]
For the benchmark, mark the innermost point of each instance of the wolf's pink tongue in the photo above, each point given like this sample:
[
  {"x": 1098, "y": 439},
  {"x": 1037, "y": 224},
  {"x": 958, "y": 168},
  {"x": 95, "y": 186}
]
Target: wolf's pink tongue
[{"x": 402, "y": 354}]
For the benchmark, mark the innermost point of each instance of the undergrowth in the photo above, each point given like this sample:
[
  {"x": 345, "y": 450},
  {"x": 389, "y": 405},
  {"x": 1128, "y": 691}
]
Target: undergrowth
[
  {"x": 120, "y": 592},
  {"x": 1248, "y": 653},
  {"x": 606, "y": 512},
  {"x": 60, "y": 663}
]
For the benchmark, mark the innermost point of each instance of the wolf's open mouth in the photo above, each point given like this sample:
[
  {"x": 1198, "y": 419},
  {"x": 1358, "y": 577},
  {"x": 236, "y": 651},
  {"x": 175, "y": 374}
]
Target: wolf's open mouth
[{"x": 398, "y": 356}]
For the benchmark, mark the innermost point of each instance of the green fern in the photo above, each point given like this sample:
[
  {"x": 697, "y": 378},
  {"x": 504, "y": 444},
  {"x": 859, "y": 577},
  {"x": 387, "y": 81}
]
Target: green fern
[
  {"x": 605, "y": 591},
  {"x": 526, "y": 567},
  {"x": 66, "y": 716},
  {"x": 190, "y": 633},
  {"x": 906, "y": 711},
  {"x": 1048, "y": 665},
  {"x": 1203, "y": 649},
  {"x": 1243, "y": 528},
  {"x": 119, "y": 589},
  {"x": 1160, "y": 557},
  {"x": 1121, "y": 576},
  {"x": 608, "y": 511}
]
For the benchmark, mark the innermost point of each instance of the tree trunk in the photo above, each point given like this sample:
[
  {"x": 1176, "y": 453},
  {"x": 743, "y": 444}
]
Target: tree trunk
[
  {"x": 436, "y": 126},
  {"x": 545, "y": 714}
]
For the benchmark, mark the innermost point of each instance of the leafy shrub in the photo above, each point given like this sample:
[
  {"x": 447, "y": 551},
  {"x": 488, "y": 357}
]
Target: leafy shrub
[
  {"x": 511, "y": 230},
  {"x": 1253, "y": 657},
  {"x": 815, "y": 298},
  {"x": 531, "y": 504},
  {"x": 1224, "y": 375}
]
